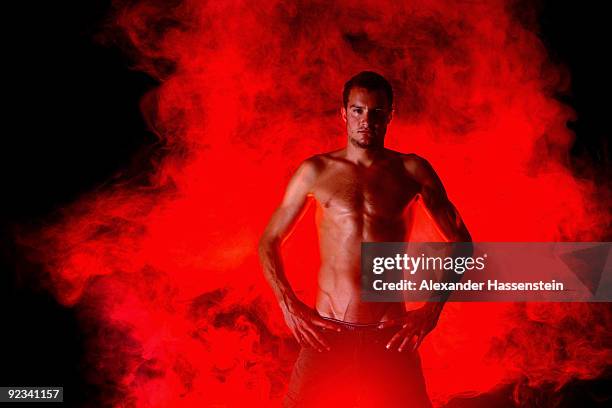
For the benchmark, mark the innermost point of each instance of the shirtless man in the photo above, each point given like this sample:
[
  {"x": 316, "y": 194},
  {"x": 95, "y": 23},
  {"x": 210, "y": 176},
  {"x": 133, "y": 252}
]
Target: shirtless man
[{"x": 355, "y": 352}]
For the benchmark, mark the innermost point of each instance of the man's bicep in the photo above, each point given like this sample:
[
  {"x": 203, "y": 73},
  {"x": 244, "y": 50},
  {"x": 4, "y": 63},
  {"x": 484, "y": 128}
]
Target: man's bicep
[
  {"x": 437, "y": 203},
  {"x": 293, "y": 204},
  {"x": 431, "y": 189}
]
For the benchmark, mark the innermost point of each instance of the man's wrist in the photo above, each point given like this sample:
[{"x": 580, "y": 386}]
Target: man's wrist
[
  {"x": 287, "y": 301},
  {"x": 434, "y": 307}
]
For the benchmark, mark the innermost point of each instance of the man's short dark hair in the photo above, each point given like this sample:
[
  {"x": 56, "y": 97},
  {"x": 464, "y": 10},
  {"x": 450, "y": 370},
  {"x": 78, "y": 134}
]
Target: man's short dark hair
[{"x": 368, "y": 80}]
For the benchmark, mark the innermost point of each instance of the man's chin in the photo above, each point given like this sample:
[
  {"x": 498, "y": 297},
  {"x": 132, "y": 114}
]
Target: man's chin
[{"x": 363, "y": 144}]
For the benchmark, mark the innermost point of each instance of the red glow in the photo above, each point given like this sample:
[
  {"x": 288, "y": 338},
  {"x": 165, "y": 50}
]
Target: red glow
[{"x": 172, "y": 269}]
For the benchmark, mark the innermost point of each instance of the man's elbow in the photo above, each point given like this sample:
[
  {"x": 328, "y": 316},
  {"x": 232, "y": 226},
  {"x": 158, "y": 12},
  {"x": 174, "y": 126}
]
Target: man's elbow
[
  {"x": 465, "y": 237},
  {"x": 266, "y": 243},
  {"x": 263, "y": 246},
  {"x": 458, "y": 233}
]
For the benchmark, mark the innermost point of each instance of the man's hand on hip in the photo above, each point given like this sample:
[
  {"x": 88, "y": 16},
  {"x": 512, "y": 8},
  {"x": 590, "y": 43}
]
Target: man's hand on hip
[
  {"x": 305, "y": 323},
  {"x": 415, "y": 324}
]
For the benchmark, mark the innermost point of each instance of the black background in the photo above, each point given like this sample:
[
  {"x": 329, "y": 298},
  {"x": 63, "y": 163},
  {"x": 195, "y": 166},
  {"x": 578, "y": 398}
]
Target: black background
[{"x": 73, "y": 123}]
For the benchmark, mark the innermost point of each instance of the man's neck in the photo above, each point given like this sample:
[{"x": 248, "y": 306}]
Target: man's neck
[{"x": 363, "y": 157}]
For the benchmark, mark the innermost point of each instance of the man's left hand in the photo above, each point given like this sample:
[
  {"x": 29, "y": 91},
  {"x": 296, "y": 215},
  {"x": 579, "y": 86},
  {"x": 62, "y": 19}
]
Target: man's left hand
[{"x": 414, "y": 324}]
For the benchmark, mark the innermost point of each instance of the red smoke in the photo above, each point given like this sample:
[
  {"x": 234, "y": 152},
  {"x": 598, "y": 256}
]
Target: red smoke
[{"x": 168, "y": 274}]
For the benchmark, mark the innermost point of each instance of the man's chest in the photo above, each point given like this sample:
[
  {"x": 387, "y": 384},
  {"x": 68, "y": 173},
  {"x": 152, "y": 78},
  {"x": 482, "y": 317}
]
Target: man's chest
[{"x": 381, "y": 191}]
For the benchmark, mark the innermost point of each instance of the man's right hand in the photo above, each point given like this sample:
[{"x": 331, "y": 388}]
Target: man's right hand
[{"x": 305, "y": 324}]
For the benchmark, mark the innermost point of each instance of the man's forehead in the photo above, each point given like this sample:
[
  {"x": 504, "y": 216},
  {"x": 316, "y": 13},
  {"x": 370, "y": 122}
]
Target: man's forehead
[{"x": 372, "y": 98}]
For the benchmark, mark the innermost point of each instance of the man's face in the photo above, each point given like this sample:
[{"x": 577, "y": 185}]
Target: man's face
[{"x": 367, "y": 114}]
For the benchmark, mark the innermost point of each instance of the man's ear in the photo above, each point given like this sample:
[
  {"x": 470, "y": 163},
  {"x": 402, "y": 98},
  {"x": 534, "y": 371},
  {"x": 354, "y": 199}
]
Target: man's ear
[
  {"x": 390, "y": 115},
  {"x": 343, "y": 113}
]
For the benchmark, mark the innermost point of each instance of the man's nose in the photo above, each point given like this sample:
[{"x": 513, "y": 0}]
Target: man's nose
[
  {"x": 367, "y": 119},
  {"x": 370, "y": 118}
]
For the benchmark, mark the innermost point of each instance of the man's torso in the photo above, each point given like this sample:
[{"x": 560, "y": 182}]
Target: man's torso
[{"x": 357, "y": 204}]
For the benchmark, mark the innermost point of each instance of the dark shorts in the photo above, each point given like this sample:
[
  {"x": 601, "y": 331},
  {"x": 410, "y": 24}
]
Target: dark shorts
[{"x": 358, "y": 371}]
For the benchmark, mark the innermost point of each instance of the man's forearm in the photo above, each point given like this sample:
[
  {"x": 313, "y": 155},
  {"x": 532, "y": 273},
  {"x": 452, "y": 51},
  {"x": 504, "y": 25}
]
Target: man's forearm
[
  {"x": 271, "y": 261},
  {"x": 463, "y": 249}
]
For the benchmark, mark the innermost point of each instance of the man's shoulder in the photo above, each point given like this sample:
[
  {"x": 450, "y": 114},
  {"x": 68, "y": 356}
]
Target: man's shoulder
[
  {"x": 412, "y": 161},
  {"x": 319, "y": 162},
  {"x": 312, "y": 167},
  {"x": 313, "y": 164}
]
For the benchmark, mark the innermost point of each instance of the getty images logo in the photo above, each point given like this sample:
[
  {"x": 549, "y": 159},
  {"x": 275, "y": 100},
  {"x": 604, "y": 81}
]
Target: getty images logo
[{"x": 412, "y": 264}]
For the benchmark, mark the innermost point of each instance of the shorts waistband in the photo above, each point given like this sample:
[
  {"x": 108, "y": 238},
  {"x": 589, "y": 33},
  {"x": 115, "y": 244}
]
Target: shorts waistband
[{"x": 354, "y": 326}]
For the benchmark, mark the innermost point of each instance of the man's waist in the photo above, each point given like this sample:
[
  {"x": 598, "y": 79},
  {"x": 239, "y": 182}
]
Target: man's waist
[{"x": 354, "y": 326}]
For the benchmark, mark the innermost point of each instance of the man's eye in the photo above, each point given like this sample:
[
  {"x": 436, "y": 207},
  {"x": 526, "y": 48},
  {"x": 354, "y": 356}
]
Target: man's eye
[{"x": 358, "y": 111}]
